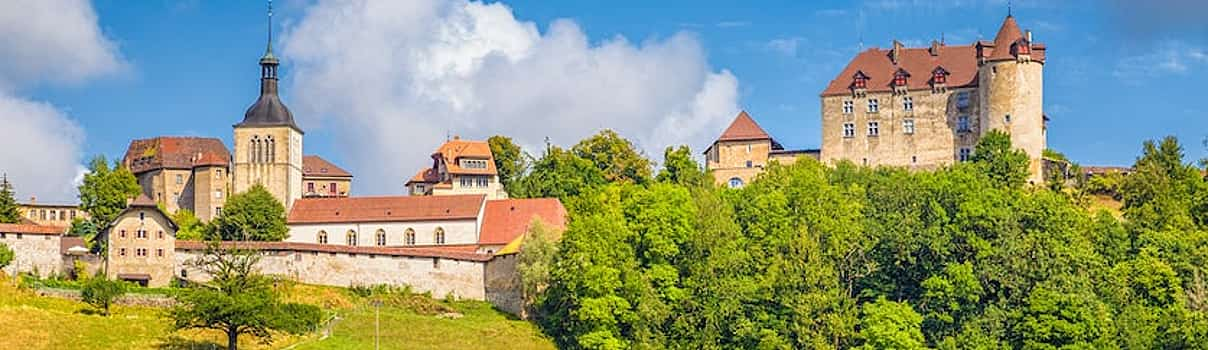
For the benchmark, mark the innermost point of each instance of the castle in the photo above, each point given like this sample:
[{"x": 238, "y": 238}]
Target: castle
[{"x": 918, "y": 108}]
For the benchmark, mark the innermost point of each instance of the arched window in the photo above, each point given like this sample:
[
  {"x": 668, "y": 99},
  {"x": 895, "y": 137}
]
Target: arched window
[
  {"x": 380, "y": 237},
  {"x": 409, "y": 237},
  {"x": 253, "y": 155},
  {"x": 735, "y": 182},
  {"x": 439, "y": 236},
  {"x": 322, "y": 238},
  {"x": 270, "y": 149},
  {"x": 352, "y": 237}
]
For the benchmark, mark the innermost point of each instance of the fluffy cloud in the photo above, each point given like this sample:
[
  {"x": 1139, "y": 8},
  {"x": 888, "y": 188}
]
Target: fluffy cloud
[
  {"x": 392, "y": 78},
  {"x": 1168, "y": 57},
  {"x": 41, "y": 42}
]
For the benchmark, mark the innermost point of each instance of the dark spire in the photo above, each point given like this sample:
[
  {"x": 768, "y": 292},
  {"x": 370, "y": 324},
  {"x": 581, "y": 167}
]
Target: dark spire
[{"x": 268, "y": 109}]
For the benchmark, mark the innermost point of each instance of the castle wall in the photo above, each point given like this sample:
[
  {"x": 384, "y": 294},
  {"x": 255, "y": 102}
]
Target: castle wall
[
  {"x": 1016, "y": 89},
  {"x": 33, "y": 253},
  {"x": 728, "y": 159},
  {"x": 439, "y": 276},
  {"x": 937, "y": 139},
  {"x": 503, "y": 285}
]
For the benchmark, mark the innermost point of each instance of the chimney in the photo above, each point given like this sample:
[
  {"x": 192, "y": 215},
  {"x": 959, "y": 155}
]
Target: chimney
[
  {"x": 895, "y": 54},
  {"x": 1028, "y": 35},
  {"x": 33, "y": 200},
  {"x": 935, "y": 48}
]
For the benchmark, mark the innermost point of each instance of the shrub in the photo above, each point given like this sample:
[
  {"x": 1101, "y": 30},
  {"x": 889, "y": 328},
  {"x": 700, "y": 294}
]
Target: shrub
[
  {"x": 297, "y": 318},
  {"x": 101, "y": 292},
  {"x": 6, "y": 255}
]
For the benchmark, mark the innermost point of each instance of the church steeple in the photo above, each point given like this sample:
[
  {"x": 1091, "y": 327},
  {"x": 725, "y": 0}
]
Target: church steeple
[{"x": 268, "y": 109}]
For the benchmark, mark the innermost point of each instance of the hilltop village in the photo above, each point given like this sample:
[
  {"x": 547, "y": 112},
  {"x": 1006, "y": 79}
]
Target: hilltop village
[{"x": 457, "y": 233}]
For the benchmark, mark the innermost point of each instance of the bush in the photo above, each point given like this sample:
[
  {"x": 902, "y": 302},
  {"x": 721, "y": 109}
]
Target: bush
[
  {"x": 6, "y": 255},
  {"x": 101, "y": 292},
  {"x": 297, "y": 318}
]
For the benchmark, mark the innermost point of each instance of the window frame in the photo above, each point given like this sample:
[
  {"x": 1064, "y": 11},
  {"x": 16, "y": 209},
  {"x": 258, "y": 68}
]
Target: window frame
[
  {"x": 908, "y": 126},
  {"x": 874, "y": 128}
]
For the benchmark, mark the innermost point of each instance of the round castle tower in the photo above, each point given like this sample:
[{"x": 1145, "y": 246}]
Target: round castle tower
[{"x": 1011, "y": 81}]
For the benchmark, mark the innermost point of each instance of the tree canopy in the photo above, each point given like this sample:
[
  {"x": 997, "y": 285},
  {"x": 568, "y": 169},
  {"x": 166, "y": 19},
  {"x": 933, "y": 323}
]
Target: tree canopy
[
  {"x": 618, "y": 158},
  {"x": 510, "y": 161},
  {"x": 254, "y": 215},
  {"x": 9, "y": 213},
  {"x": 106, "y": 191}
]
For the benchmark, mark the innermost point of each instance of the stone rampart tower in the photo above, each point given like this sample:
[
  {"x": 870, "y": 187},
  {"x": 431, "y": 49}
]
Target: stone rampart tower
[{"x": 1012, "y": 91}]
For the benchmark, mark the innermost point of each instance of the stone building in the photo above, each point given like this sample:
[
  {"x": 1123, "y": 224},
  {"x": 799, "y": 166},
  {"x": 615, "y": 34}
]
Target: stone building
[
  {"x": 49, "y": 214},
  {"x": 141, "y": 245},
  {"x": 459, "y": 167},
  {"x": 321, "y": 178},
  {"x": 928, "y": 107},
  {"x": 190, "y": 173},
  {"x": 743, "y": 150},
  {"x": 36, "y": 248},
  {"x": 198, "y": 173}
]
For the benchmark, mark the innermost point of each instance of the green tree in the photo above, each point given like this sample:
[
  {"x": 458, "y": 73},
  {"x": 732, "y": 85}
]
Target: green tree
[
  {"x": 238, "y": 300},
  {"x": 9, "y": 213},
  {"x": 106, "y": 191},
  {"x": 535, "y": 263},
  {"x": 100, "y": 292},
  {"x": 1000, "y": 160},
  {"x": 1059, "y": 320},
  {"x": 680, "y": 168},
  {"x": 510, "y": 161},
  {"x": 82, "y": 228},
  {"x": 190, "y": 227},
  {"x": 561, "y": 174},
  {"x": 616, "y": 157},
  {"x": 890, "y": 325},
  {"x": 951, "y": 298},
  {"x": 254, "y": 215},
  {"x": 6, "y": 255}
]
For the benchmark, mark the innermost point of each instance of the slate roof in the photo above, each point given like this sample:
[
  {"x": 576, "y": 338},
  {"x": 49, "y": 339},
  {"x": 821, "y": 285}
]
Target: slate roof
[
  {"x": 315, "y": 166},
  {"x": 173, "y": 152},
  {"x": 506, "y": 219},
  {"x": 385, "y": 209}
]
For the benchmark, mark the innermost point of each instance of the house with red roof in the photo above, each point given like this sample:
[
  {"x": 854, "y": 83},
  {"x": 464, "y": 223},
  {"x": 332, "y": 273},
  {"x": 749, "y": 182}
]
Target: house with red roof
[
  {"x": 459, "y": 167},
  {"x": 744, "y": 149}
]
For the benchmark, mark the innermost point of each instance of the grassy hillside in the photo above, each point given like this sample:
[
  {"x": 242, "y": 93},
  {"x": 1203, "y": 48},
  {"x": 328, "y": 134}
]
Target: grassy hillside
[{"x": 32, "y": 322}]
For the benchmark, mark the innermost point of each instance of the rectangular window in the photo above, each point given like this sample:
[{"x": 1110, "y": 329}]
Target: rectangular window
[
  {"x": 332, "y": 188},
  {"x": 465, "y": 181},
  {"x": 218, "y": 194},
  {"x": 750, "y": 164},
  {"x": 482, "y": 181},
  {"x": 142, "y": 233},
  {"x": 122, "y": 233},
  {"x": 962, "y": 123},
  {"x": 872, "y": 105},
  {"x": 121, "y": 252},
  {"x": 180, "y": 179},
  {"x": 849, "y": 130},
  {"x": 964, "y": 154},
  {"x": 218, "y": 211},
  {"x": 310, "y": 187},
  {"x": 160, "y": 235},
  {"x": 908, "y": 126},
  {"x": 874, "y": 128},
  {"x": 908, "y": 103},
  {"x": 848, "y": 107},
  {"x": 159, "y": 252},
  {"x": 962, "y": 99}
]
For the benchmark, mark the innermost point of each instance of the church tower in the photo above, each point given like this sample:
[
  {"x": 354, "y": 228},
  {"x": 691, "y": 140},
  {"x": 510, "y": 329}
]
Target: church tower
[
  {"x": 1011, "y": 91},
  {"x": 268, "y": 144}
]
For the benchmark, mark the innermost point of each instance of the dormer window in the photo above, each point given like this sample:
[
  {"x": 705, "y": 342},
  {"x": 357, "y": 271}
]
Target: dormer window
[
  {"x": 1022, "y": 47},
  {"x": 899, "y": 78},
  {"x": 939, "y": 76},
  {"x": 859, "y": 81},
  {"x": 474, "y": 163}
]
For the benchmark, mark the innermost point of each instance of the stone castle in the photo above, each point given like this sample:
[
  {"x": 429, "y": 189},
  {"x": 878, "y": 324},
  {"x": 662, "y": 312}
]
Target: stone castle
[{"x": 918, "y": 108}]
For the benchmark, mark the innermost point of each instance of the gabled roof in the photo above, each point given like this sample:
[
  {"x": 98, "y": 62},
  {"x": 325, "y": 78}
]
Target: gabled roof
[
  {"x": 171, "y": 152},
  {"x": 33, "y": 229},
  {"x": 385, "y": 209},
  {"x": 455, "y": 149},
  {"x": 959, "y": 61},
  {"x": 142, "y": 201},
  {"x": 315, "y": 166},
  {"x": 504, "y": 220},
  {"x": 743, "y": 128},
  {"x": 427, "y": 176}
]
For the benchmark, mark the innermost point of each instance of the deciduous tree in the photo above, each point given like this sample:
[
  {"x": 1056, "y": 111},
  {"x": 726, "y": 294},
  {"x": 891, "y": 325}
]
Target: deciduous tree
[
  {"x": 680, "y": 168},
  {"x": 510, "y": 161},
  {"x": 618, "y": 158},
  {"x": 100, "y": 292},
  {"x": 106, "y": 191},
  {"x": 254, "y": 215}
]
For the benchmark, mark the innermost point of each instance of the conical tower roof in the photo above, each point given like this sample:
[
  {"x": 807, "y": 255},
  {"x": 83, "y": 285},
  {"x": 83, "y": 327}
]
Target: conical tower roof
[{"x": 1008, "y": 34}]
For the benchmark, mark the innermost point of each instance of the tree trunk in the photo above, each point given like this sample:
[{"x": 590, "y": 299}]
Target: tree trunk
[{"x": 232, "y": 339}]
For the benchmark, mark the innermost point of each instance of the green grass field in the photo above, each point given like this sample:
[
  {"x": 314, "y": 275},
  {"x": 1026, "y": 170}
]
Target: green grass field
[{"x": 32, "y": 322}]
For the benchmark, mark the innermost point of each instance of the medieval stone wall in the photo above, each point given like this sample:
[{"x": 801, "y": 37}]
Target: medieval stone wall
[
  {"x": 503, "y": 285},
  {"x": 728, "y": 159},
  {"x": 33, "y": 253}
]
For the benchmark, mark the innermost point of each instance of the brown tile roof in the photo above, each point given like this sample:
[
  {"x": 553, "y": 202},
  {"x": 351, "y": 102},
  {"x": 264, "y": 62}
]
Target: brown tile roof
[
  {"x": 466, "y": 253},
  {"x": 68, "y": 242},
  {"x": 175, "y": 153},
  {"x": 504, "y": 220},
  {"x": 316, "y": 166},
  {"x": 142, "y": 201},
  {"x": 743, "y": 128},
  {"x": 427, "y": 175},
  {"x": 961, "y": 63},
  {"x": 453, "y": 150},
  {"x": 33, "y": 229},
  {"x": 385, "y": 209}
]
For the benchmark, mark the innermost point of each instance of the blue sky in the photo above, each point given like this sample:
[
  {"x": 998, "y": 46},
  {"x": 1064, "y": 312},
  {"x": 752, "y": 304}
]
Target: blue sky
[{"x": 1117, "y": 73}]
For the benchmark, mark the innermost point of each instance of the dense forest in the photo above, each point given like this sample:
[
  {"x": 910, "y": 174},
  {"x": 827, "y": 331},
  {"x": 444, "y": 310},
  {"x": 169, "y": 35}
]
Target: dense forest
[{"x": 814, "y": 256}]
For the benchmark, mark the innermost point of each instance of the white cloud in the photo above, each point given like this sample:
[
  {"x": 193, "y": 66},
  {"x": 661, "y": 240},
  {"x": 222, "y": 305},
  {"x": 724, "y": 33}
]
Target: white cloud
[
  {"x": 41, "y": 42},
  {"x": 784, "y": 46},
  {"x": 1169, "y": 57},
  {"x": 392, "y": 78}
]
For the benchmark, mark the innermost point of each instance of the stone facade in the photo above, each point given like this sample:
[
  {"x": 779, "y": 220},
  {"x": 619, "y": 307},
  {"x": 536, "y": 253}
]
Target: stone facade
[
  {"x": 743, "y": 150},
  {"x": 270, "y": 156},
  {"x": 456, "y": 232},
  {"x": 1013, "y": 91},
  {"x": 35, "y": 249},
  {"x": 934, "y": 132},
  {"x": 503, "y": 286},
  {"x": 141, "y": 246},
  {"x": 50, "y": 214},
  {"x": 317, "y": 186}
]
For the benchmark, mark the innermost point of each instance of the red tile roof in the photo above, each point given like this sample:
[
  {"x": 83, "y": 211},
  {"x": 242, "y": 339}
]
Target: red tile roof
[
  {"x": 385, "y": 209},
  {"x": 175, "y": 153},
  {"x": 316, "y": 166},
  {"x": 427, "y": 175},
  {"x": 504, "y": 220},
  {"x": 33, "y": 229},
  {"x": 743, "y": 128},
  {"x": 68, "y": 242},
  {"x": 453, "y": 150},
  {"x": 466, "y": 253},
  {"x": 961, "y": 63}
]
